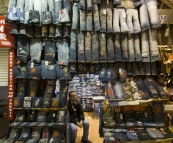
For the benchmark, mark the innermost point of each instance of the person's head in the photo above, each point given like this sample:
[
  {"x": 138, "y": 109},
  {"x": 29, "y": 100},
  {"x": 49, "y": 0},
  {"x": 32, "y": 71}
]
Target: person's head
[{"x": 72, "y": 96}]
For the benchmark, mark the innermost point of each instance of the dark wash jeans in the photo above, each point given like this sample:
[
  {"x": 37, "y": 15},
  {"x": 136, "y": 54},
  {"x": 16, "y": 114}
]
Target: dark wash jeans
[
  {"x": 95, "y": 47},
  {"x": 73, "y": 46},
  {"x": 88, "y": 47}
]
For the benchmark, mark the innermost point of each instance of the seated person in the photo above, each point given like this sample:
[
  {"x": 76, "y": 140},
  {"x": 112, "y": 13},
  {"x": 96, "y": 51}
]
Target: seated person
[{"x": 77, "y": 119}]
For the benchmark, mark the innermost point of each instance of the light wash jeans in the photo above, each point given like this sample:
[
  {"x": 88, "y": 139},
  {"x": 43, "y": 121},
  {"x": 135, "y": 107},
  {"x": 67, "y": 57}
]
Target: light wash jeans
[
  {"x": 73, "y": 46},
  {"x": 96, "y": 17},
  {"x": 117, "y": 47},
  {"x": 37, "y": 6},
  {"x": 125, "y": 53},
  {"x": 81, "y": 46},
  {"x": 20, "y": 4},
  {"x": 75, "y": 18},
  {"x": 74, "y": 129},
  {"x": 28, "y": 6},
  {"x": 88, "y": 56},
  {"x": 57, "y": 9},
  {"x": 137, "y": 48},
  {"x": 130, "y": 45},
  {"x": 95, "y": 48}
]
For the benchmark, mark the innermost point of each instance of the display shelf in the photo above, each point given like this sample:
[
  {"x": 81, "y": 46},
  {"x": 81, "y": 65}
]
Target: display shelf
[{"x": 42, "y": 109}]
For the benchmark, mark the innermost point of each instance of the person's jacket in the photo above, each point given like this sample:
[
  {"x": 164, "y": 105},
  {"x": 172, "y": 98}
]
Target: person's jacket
[{"x": 75, "y": 112}]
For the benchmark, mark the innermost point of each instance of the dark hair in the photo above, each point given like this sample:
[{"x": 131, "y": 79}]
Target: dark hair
[{"x": 70, "y": 93}]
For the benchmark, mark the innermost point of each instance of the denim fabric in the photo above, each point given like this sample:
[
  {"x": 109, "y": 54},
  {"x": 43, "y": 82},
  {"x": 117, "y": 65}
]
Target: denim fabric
[
  {"x": 118, "y": 93},
  {"x": 95, "y": 47},
  {"x": 117, "y": 45},
  {"x": 141, "y": 68},
  {"x": 63, "y": 73},
  {"x": 34, "y": 17},
  {"x": 32, "y": 87},
  {"x": 58, "y": 31},
  {"x": 44, "y": 5},
  {"x": 51, "y": 117},
  {"x": 29, "y": 31},
  {"x": 102, "y": 19},
  {"x": 88, "y": 49},
  {"x": 66, "y": 31},
  {"x": 116, "y": 20},
  {"x": 96, "y": 17},
  {"x": 131, "y": 48},
  {"x": 126, "y": 4},
  {"x": 115, "y": 2},
  {"x": 102, "y": 43},
  {"x": 109, "y": 20},
  {"x": 20, "y": 4},
  {"x": 62, "y": 52},
  {"x": 132, "y": 135},
  {"x": 14, "y": 29},
  {"x": 154, "y": 133},
  {"x": 97, "y": 1},
  {"x": 121, "y": 136},
  {"x": 64, "y": 16},
  {"x": 14, "y": 133},
  {"x": 135, "y": 69},
  {"x": 27, "y": 8},
  {"x": 25, "y": 134},
  {"x": 75, "y": 16},
  {"x": 35, "y": 50},
  {"x": 12, "y": 3},
  {"x": 82, "y": 20},
  {"x": 51, "y": 31},
  {"x": 89, "y": 20},
  {"x": 21, "y": 87},
  {"x": 47, "y": 17},
  {"x": 46, "y": 102},
  {"x": 48, "y": 71},
  {"x": 49, "y": 52},
  {"x": 38, "y": 31},
  {"x": 23, "y": 49},
  {"x": 81, "y": 43},
  {"x": 41, "y": 116},
  {"x": 34, "y": 72},
  {"x": 36, "y": 102},
  {"x": 44, "y": 29},
  {"x": 13, "y": 14},
  {"x": 125, "y": 52},
  {"x": 145, "y": 46},
  {"x": 66, "y": 4},
  {"x": 21, "y": 71},
  {"x": 147, "y": 68},
  {"x": 22, "y": 29},
  {"x": 18, "y": 102},
  {"x": 153, "y": 68},
  {"x": 73, "y": 46},
  {"x": 102, "y": 74},
  {"x": 110, "y": 48},
  {"x": 144, "y": 17},
  {"x": 57, "y": 8},
  {"x": 37, "y": 7},
  {"x": 89, "y": 4},
  {"x": 122, "y": 19},
  {"x": 153, "y": 14},
  {"x": 82, "y": 4},
  {"x": 137, "y": 48},
  {"x": 133, "y": 21},
  {"x": 154, "y": 51},
  {"x": 20, "y": 116},
  {"x": 143, "y": 134}
]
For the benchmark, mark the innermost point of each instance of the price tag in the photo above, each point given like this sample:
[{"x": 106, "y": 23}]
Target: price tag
[
  {"x": 104, "y": 11},
  {"x": 46, "y": 63}
]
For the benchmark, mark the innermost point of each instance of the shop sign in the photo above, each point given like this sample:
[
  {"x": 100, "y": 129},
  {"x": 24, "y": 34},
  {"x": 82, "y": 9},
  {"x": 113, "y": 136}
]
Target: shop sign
[
  {"x": 6, "y": 40},
  {"x": 11, "y": 54}
]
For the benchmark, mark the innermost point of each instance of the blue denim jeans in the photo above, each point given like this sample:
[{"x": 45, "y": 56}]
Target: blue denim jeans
[
  {"x": 63, "y": 52},
  {"x": 12, "y": 3},
  {"x": 147, "y": 68},
  {"x": 73, "y": 46},
  {"x": 48, "y": 71},
  {"x": 95, "y": 47},
  {"x": 82, "y": 20},
  {"x": 131, "y": 48},
  {"x": 34, "y": 72},
  {"x": 58, "y": 31},
  {"x": 20, "y": 4},
  {"x": 109, "y": 20},
  {"x": 21, "y": 71},
  {"x": 57, "y": 9},
  {"x": 115, "y": 2},
  {"x": 154, "y": 51},
  {"x": 96, "y": 17},
  {"x": 81, "y": 45},
  {"x": 102, "y": 19},
  {"x": 28, "y": 7},
  {"x": 133, "y": 21},
  {"x": 145, "y": 46},
  {"x": 110, "y": 48},
  {"x": 75, "y": 17},
  {"x": 103, "y": 51},
  {"x": 37, "y": 6},
  {"x": 117, "y": 45},
  {"x": 21, "y": 87},
  {"x": 89, "y": 21},
  {"x": 118, "y": 92},
  {"x": 125, "y": 53},
  {"x": 35, "y": 50},
  {"x": 23, "y": 49},
  {"x": 32, "y": 87},
  {"x": 88, "y": 56},
  {"x": 137, "y": 47},
  {"x": 63, "y": 73}
]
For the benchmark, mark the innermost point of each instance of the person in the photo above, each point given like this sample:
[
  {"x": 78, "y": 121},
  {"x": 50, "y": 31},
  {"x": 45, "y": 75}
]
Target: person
[
  {"x": 2, "y": 115},
  {"x": 77, "y": 119}
]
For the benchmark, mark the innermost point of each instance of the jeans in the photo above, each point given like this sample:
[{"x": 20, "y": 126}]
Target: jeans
[
  {"x": 63, "y": 52},
  {"x": 96, "y": 17},
  {"x": 88, "y": 56},
  {"x": 57, "y": 8},
  {"x": 137, "y": 48},
  {"x": 95, "y": 48},
  {"x": 32, "y": 87},
  {"x": 37, "y": 6},
  {"x": 82, "y": 20},
  {"x": 102, "y": 43},
  {"x": 41, "y": 116},
  {"x": 117, "y": 45},
  {"x": 153, "y": 68},
  {"x": 28, "y": 7},
  {"x": 21, "y": 71},
  {"x": 97, "y": 1},
  {"x": 147, "y": 68},
  {"x": 126, "y": 4},
  {"x": 115, "y": 2},
  {"x": 82, "y": 4},
  {"x": 145, "y": 46},
  {"x": 58, "y": 31},
  {"x": 154, "y": 51},
  {"x": 21, "y": 87},
  {"x": 35, "y": 50},
  {"x": 131, "y": 48},
  {"x": 12, "y": 3},
  {"x": 89, "y": 4},
  {"x": 118, "y": 93},
  {"x": 20, "y": 4},
  {"x": 133, "y": 21},
  {"x": 103, "y": 20},
  {"x": 23, "y": 49},
  {"x": 75, "y": 17},
  {"x": 46, "y": 18},
  {"x": 34, "y": 72},
  {"x": 63, "y": 73},
  {"x": 81, "y": 43},
  {"x": 73, "y": 46},
  {"x": 110, "y": 48},
  {"x": 109, "y": 20},
  {"x": 64, "y": 16},
  {"x": 125, "y": 54},
  {"x": 14, "y": 14},
  {"x": 49, "y": 52},
  {"x": 73, "y": 129},
  {"x": 89, "y": 21}
]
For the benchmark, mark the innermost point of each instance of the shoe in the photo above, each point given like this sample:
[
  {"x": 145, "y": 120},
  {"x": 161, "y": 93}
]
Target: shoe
[{"x": 86, "y": 141}]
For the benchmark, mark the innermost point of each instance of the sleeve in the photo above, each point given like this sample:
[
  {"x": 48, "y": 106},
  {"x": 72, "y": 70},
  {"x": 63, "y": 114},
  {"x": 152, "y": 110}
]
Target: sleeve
[
  {"x": 80, "y": 113},
  {"x": 72, "y": 118}
]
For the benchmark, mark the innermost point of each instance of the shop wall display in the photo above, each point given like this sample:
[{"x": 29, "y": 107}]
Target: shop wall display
[{"x": 105, "y": 49}]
